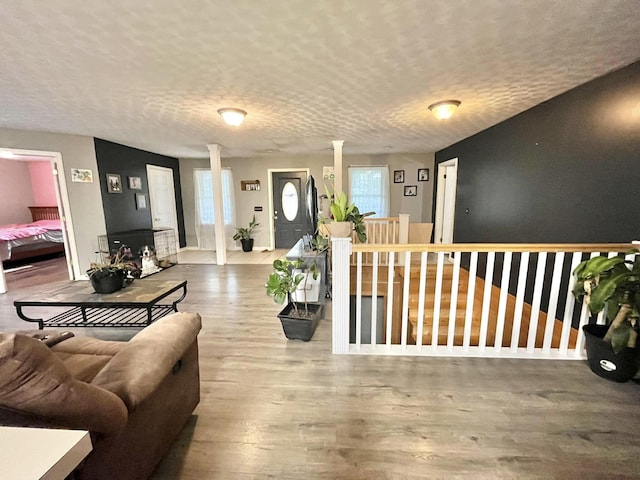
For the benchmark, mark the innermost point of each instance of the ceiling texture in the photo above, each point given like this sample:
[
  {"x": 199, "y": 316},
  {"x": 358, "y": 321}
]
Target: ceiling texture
[{"x": 152, "y": 74}]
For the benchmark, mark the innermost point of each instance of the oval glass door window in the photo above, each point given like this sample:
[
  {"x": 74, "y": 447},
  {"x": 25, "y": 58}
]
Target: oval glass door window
[{"x": 290, "y": 201}]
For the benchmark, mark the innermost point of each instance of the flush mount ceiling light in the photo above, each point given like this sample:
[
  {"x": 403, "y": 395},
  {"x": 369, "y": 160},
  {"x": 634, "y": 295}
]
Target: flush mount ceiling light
[
  {"x": 443, "y": 110},
  {"x": 232, "y": 116}
]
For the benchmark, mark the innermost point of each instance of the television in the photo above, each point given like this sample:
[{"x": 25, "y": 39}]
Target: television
[{"x": 311, "y": 198}]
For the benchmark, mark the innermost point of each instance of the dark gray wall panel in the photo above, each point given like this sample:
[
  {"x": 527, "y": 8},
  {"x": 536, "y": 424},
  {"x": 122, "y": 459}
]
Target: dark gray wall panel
[
  {"x": 120, "y": 210},
  {"x": 566, "y": 170}
]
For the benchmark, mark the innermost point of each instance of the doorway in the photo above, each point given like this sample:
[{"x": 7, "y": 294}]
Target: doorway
[
  {"x": 288, "y": 207},
  {"x": 446, "y": 201},
  {"x": 162, "y": 199},
  {"x": 45, "y": 175}
]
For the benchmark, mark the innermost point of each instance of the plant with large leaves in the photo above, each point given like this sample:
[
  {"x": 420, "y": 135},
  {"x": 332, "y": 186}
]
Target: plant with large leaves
[
  {"x": 342, "y": 211},
  {"x": 614, "y": 284},
  {"x": 284, "y": 280}
]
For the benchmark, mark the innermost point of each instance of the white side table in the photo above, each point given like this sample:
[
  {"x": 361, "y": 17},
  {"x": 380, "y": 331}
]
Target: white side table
[{"x": 41, "y": 453}]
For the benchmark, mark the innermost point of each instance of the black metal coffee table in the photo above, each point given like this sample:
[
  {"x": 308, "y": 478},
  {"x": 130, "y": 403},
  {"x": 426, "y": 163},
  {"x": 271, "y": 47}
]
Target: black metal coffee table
[{"x": 136, "y": 305}]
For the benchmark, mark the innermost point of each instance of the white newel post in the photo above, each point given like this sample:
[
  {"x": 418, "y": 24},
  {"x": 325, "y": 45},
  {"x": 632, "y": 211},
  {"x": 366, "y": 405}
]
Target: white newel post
[
  {"x": 340, "y": 288},
  {"x": 403, "y": 233}
]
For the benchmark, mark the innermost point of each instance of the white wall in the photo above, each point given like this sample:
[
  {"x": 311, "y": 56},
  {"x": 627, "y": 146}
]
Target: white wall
[
  {"x": 418, "y": 207},
  {"x": 84, "y": 198}
]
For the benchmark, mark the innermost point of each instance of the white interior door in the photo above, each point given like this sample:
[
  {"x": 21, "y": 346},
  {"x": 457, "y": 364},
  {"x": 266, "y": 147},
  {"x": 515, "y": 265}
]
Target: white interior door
[
  {"x": 446, "y": 201},
  {"x": 162, "y": 199}
]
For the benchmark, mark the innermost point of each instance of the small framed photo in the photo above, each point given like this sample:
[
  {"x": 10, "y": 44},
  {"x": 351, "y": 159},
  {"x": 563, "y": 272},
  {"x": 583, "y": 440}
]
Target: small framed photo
[
  {"x": 398, "y": 176},
  {"x": 141, "y": 201},
  {"x": 423, "y": 174},
  {"x": 410, "y": 190},
  {"x": 114, "y": 184},
  {"x": 135, "y": 183},
  {"x": 81, "y": 175}
]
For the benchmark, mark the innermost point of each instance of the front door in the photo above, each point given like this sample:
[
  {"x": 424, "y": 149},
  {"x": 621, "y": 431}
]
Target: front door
[
  {"x": 162, "y": 199},
  {"x": 290, "y": 221}
]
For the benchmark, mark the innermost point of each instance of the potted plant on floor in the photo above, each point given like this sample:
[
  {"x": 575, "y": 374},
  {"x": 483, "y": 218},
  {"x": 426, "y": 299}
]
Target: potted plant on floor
[
  {"x": 612, "y": 285},
  {"x": 346, "y": 217},
  {"x": 244, "y": 235},
  {"x": 299, "y": 319},
  {"x": 114, "y": 273}
]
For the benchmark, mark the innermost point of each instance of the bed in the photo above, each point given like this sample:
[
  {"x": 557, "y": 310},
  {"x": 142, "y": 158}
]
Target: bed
[{"x": 41, "y": 237}]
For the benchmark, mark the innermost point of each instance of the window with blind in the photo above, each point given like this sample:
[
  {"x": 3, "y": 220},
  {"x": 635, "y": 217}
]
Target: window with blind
[{"x": 369, "y": 189}]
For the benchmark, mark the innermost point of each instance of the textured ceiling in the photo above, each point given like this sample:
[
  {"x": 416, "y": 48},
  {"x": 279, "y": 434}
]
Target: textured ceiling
[{"x": 152, "y": 74}]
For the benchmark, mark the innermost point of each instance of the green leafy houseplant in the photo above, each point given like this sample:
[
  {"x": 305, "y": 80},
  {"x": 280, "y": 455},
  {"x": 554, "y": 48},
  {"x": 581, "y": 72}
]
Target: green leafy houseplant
[
  {"x": 614, "y": 284},
  {"x": 283, "y": 281},
  {"x": 342, "y": 211},
  {"x": 245, "y": 233}
]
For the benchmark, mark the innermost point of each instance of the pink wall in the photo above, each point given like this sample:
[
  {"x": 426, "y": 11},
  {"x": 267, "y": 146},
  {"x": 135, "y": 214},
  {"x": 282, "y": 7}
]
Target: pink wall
[
  {"x": 16, "y": 193},
  {"x": 44, "y": 193}
]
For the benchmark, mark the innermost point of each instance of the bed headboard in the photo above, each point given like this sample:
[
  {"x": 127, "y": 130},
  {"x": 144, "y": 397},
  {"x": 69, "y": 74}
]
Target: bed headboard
[{"x": 44, "y": 213}]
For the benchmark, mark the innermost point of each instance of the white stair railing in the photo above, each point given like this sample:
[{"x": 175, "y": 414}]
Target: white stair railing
[{"x": 491, "y": 300}]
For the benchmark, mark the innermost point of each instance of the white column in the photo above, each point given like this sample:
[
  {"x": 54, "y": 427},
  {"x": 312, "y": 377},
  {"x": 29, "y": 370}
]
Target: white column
[
  {"x": 340, "y": 288},
  {"x": 337, "y": 165},
  {"x": 216, "y": 178}
]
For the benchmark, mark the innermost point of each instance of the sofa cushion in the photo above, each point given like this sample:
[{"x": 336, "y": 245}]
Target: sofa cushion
[
  {"x": 34, "y": 382},
  {"x": 143, "y": 362}
]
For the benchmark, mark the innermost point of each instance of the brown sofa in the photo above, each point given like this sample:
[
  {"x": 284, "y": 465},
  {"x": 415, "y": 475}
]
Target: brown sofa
[{"x": 133, "y": 397}]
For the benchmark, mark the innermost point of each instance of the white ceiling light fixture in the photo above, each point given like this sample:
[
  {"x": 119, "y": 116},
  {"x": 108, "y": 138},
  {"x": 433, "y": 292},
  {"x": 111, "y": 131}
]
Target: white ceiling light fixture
[
  {"x": 7, "y": 154},
  {"x": 232, "y": 116},
  {"x": 444, "y": 109}
]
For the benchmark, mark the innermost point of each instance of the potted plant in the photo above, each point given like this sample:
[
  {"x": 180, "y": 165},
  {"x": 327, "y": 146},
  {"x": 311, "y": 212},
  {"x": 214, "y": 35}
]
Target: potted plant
[
  {"x": 108, "y": 276},
  {"x": 612, "y": 285},
  {"x": 299, "y": 319},
  {"x": 347, "y": 216},
  {"x": 244, "y": 235}
]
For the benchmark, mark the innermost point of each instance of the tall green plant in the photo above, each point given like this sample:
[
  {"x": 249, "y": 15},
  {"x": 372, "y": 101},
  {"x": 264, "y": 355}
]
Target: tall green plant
[{"x": 612, "y": 284}]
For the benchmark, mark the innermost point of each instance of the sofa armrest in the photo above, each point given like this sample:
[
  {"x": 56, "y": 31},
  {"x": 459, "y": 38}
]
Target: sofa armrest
[
  {"x": 36, "y": 386},
  {"x": 141, "y": 365}
]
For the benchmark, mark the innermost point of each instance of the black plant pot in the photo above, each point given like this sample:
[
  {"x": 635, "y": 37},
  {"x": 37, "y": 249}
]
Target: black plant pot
[
  {"x": 300, "y": 328},
  {"x": 603, "y": 361},
  {"x": 247, "y": 244},
  {"x": 109, "y": 283}
]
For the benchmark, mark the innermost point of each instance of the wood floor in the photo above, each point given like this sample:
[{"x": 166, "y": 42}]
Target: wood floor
[{"x": 277, "y": 409}]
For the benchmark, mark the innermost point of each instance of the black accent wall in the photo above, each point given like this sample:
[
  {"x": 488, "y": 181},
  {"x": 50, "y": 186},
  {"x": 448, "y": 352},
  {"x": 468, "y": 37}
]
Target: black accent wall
[
  {"x": 566, "y": 171},
  {"x": 121, "y": 214}
]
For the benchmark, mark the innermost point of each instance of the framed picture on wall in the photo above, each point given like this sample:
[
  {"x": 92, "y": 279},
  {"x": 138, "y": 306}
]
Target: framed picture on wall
[
  {"x": 114, "y": 184},
  {"x": 141, "y": 201},
  {"x": 135, "y": 183},
  {"x": 81, "y": 175},
  {"x": 411, "y": 191},
  {"x": 423, "y": 174},
  {"x": 398, "y": 176}
]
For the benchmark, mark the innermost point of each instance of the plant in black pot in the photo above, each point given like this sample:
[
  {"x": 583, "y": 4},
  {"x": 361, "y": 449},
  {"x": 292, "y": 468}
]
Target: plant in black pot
[
  {"x": 244, "y": 235},
  {"x": 299, "y": 319},
  {"x": 612, "y": 285},
  {"x": 110, "y": 275}
]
